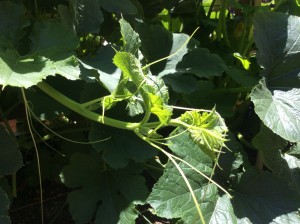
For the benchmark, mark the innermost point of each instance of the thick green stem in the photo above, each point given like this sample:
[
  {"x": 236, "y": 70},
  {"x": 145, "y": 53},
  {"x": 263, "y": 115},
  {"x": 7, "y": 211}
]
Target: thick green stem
[{"x": 78, "y": 108}]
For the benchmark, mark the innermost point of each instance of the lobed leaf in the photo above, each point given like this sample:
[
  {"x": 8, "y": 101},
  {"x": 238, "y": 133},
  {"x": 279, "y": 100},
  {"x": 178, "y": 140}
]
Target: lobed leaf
[
  {"x": 207, "y": 129},
  {"x": 105, "y": 195},
  {"x": 279, "y": 111},
  {"x": 171, "y": 197},
  {"x": 51, "y": 54}
]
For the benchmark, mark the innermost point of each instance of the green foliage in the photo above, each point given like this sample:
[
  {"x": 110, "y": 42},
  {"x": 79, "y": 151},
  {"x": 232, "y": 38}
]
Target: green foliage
[{"x": 148, "y": 120}]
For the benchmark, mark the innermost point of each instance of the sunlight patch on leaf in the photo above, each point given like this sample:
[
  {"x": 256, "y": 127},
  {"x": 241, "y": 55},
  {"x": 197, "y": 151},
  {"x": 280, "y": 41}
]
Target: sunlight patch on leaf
[{"x": 279, "y": 111}]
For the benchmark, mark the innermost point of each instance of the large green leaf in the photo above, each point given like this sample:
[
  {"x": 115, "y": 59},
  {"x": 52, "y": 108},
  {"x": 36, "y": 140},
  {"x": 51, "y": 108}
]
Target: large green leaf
[
  {"x": 208, "y": 96},
  {"x": 51, "y": 53},
  {"x": 105, "y": 195},
  {"x": 264, "y": 198},
  {"x": 170, "y": 196},
  {"x": 279, "y": 111},
  {"x": 13, "y": 21},
  {"x": 120, "y": 146},
  {"x": 277, "y": 39},
  {"x": 4, "y": 205},
  {"x": 10, "y": 156},
  {"x": 157, "y": 43}
]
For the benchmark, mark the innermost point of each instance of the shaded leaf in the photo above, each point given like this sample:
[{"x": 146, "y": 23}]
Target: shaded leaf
[
  {"x": 208, "y": 96},
  {"x": 108, "y": 196},
  {"x": 242, "y": 77},
  {"x": 87, "y": 16},
  {"x": 264, "y": 198},
  {"x": 100, "y": 67},
  {"x": 121, "y": 146},
  {"x": 183, "y": 83},
  {"x": 157, "y": 43},
  {"x": 120, "y": 6},
  {"x": 10, "y": 156},
  {"x": 13, "y": 21},
  {"x": 279, "y": 111},
  {"x": 4, "y": 205},
  {"x": 201, "y": 63},
  {"x": 277, "y": 39}
]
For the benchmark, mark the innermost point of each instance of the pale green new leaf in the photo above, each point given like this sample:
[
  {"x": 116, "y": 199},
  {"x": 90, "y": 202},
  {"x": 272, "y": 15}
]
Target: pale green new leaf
[
  {"x": 279, "y": 111},
  {"x": 105, "y": 195},
  {"x": 130, "y": 67},
  {"x": 159, "y": 109},
  {"x": 207, "y": 129}
]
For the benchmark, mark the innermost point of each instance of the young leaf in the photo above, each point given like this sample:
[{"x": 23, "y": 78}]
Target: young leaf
[
  {"x": 207, "y": 129},
  {"x": 105, "y": 195},
  {"x": 159, "y": 109},
  {"x": 130, "y": 67}
]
